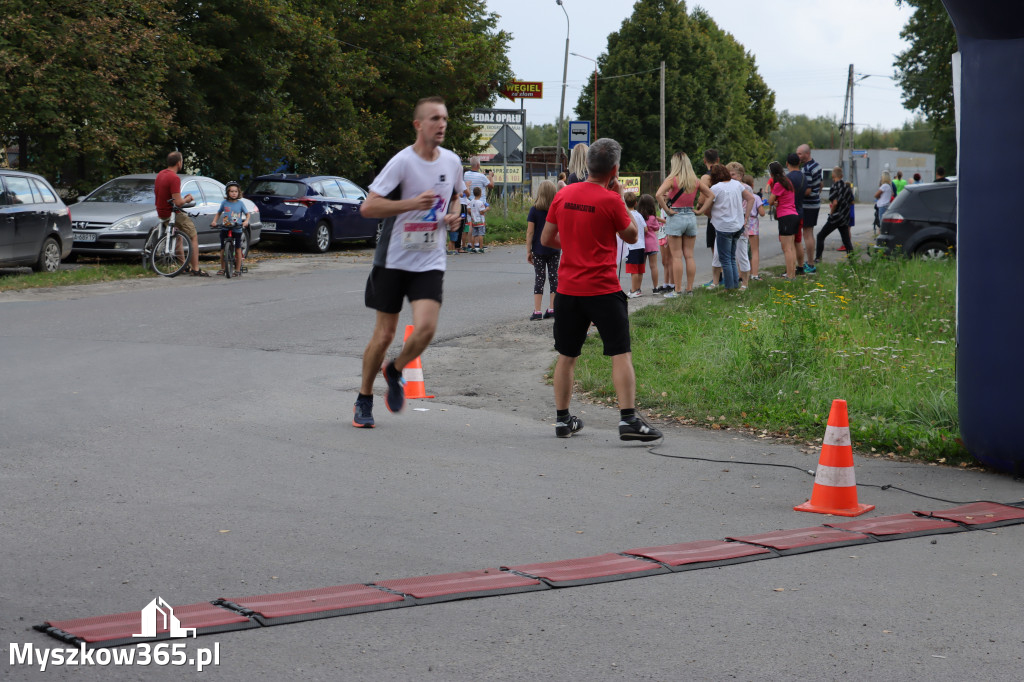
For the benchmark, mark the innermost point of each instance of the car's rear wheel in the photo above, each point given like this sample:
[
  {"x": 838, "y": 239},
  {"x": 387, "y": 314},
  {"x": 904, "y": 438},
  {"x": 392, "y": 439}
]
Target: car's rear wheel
[
  {"x": 49, "y": 256},
  {"x": 322, "y": 237},
  {"x": 934, "y": 249}
]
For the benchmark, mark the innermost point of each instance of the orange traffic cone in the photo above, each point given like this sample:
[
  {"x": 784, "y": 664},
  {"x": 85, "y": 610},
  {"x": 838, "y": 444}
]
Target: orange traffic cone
[
  {"x": 835, "y": 490},
  {"x": 413, "y": 374}
]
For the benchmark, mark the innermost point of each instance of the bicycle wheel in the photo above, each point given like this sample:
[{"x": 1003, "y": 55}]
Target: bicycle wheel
[
  {"x": 229, "y": 259},
  {"x": 165, "y": 259},
  {"x": 147, "y": 249}
]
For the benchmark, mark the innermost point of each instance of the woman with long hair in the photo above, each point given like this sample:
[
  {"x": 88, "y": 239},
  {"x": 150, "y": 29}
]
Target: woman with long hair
[
  {"x": 676, "y": 197},
  {"x": 578, "y": 164},
  {"x": 784, "y": 201},
  {"x": 883, "y": 197},
  {"x": 543, "y": 258}
]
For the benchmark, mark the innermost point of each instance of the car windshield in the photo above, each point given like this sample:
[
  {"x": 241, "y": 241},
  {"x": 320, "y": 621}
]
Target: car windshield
[
  {"x": 277, "y": 188},
  {"x": 129, "y": 191}
]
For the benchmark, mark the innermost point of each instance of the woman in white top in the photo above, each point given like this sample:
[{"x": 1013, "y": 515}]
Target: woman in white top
[
  {"x": 729, "y": 211},
  {"x": 883, "y": 197}
]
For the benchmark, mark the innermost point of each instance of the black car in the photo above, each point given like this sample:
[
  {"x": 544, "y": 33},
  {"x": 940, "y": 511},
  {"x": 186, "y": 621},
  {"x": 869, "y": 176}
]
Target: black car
[
  {"x": 315, "y": 210},
  {"x": 921, "y": 221},
  {"x": 35, "y": 225}
]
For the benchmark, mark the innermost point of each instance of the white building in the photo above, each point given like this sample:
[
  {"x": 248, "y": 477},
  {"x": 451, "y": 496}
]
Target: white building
[{"x": 864, "y": 167}]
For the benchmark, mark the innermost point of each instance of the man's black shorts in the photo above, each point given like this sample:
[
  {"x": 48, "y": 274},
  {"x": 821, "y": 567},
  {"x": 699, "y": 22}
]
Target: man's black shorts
[
  {"x": 810, "y": 218},
  {"x": 386, "y": 287},
  {"x": 789, "y": 225},
  {"x": 573, "y": 315}
]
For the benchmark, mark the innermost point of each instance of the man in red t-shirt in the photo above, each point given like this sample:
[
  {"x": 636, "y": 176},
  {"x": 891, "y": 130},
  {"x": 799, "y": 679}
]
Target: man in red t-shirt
[
  {"x": 167, "y": 188},
  {"x": 583, "y": 220}
]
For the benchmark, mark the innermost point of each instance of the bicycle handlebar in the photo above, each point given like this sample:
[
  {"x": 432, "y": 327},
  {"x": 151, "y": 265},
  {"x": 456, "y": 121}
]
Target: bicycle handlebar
[{"x": 183, "y": 206}]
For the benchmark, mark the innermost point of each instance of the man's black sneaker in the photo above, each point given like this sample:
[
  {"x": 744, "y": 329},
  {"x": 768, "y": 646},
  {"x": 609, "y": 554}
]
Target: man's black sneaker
[
  {"x": 564, "y": 428},
  {"x": 395, "y": 398},
  {"x": 637, "y": 429},
  {"x": 362, "y": 414}
]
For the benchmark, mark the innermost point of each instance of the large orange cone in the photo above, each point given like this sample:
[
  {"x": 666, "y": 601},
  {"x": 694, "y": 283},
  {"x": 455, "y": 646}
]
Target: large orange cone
[
  {"x": 835, "y": 490},
  {"x": 413, "y": 374}
]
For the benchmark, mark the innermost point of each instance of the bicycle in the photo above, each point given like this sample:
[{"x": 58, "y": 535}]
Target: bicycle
[
  {"x": 229, "y": 251},
  {"x": 171, "y": 249}
]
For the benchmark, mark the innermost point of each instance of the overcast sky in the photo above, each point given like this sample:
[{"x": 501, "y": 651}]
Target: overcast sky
[{"x": 803, "y": 50}]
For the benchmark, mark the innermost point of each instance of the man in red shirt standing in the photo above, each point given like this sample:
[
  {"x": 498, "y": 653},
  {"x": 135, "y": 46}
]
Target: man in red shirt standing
[
  {"x": 583, "y": 221},
  {"x": 168, "y": 187}
]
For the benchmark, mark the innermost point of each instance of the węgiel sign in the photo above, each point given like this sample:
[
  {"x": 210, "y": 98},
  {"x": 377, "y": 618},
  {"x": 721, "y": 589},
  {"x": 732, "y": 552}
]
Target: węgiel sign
[{"x": 522, "y": 90}]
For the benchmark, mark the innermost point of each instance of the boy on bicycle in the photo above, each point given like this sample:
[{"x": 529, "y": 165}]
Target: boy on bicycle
[{"x": 235, "y": 219}]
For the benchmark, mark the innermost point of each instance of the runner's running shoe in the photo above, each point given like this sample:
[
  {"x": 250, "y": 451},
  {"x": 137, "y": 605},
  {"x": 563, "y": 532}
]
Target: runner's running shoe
[
  {"x": 395, "y": 399},
  {"x": 362, "y": 413}
]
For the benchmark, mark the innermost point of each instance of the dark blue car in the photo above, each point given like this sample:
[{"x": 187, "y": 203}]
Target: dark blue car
[{"x": 316, "y": 210}]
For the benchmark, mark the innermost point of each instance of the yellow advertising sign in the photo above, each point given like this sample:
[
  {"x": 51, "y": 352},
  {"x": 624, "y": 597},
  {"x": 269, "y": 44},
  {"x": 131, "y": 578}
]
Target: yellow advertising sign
[
  {"x": 630, "y": 183},
  {"x": 515, "y": 173}
]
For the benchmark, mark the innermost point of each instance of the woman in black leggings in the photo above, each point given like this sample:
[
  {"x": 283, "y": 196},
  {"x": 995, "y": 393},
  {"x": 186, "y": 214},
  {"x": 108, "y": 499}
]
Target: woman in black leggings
[{"x": 544, "y": 258}]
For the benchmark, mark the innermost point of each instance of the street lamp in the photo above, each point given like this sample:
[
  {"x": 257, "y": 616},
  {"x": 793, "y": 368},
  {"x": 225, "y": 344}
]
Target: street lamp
[
  {"x": 565, "y": 70},
  {"x": 595, "y": 89}
]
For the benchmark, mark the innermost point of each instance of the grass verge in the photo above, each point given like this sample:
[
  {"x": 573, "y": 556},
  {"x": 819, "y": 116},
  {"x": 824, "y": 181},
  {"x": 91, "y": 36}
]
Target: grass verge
[
  {"x": 15, "y": 280},
  {"x": 879, "y": 334}
]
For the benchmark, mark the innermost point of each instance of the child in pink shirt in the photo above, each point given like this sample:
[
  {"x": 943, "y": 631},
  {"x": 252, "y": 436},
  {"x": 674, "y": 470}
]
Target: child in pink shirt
[{"x": 648, "y": 209}]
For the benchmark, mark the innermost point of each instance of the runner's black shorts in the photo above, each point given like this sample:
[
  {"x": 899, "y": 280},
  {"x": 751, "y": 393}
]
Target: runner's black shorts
[
  {"x": 386, "y": 287},
  {"x": 573, "y": 315},
  {"x": 789, "y": 225}
]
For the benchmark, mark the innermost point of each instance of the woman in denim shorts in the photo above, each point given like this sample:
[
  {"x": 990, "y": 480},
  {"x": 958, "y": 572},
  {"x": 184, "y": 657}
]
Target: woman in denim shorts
[{"x": 676, "y": 196}]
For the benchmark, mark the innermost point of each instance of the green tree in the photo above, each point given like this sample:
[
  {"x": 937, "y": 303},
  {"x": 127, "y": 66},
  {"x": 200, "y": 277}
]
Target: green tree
[
  {"x": 275, "y": 88},
  {"x": 419, "y": 48},
  {"x": 83, "y": 84},
  {"x": 542, "y": 135},
  {"x": 820, "y": 132},
  {"x": 714, "y": 96},
  {"x": 239, "y": 86},
  {"x": 925, "y": 72}
]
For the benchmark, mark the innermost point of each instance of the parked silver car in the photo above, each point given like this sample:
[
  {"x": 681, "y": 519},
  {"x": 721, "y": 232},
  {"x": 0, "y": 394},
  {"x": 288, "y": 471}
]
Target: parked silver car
[{"x": 117, "y": 217}]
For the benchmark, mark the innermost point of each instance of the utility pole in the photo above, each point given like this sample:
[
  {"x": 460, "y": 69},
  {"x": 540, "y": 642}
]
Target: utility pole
[
  {"x": 847, "y": 122},
  {"x": 662, "y": 122},
  {"x": 852, "y": 177},
  {"x": 565, "y": 71}
]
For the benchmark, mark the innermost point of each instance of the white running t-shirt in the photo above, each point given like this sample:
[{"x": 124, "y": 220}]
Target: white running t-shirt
[{"x": 416, "y": 240}]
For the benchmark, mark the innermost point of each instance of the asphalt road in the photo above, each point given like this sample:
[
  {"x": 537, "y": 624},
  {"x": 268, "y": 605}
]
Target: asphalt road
[{"x": 190, "y": 439}]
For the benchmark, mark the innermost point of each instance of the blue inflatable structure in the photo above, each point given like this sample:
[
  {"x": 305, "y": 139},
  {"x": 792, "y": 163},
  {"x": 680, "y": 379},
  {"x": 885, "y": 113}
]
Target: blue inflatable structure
[{"x": 990, "y": 275}]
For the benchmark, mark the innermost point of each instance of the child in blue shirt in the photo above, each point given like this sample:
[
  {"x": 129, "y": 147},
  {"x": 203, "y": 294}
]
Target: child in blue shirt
[{"x": 232, "y": 216}]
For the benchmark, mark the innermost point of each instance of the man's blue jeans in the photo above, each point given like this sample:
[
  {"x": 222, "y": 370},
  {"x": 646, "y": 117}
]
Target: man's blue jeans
[{"x": 726, "y": 244}]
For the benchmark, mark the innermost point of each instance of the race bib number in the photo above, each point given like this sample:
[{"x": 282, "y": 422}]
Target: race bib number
[{"x": 420, "y": 232}]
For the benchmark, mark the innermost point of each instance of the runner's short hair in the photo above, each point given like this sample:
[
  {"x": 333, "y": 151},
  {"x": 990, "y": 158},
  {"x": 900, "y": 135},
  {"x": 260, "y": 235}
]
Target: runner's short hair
[
  {"x": 173, "y": 158},
  {"x": 435, "y": 99}
]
